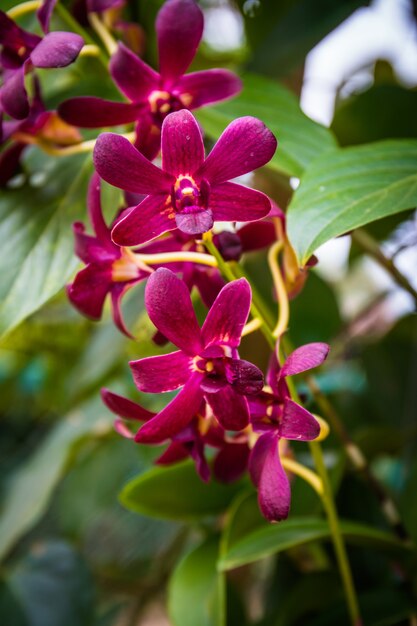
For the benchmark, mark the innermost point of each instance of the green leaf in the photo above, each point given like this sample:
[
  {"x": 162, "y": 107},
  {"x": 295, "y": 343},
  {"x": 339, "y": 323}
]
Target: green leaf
[
  {"x": 194, "y": 595},
  {"x": 350, "y": 188},
  {"x": 37, "y": 242},
  {"x": 300, "y": 139},
  {"x": 30, "y": 488},
  {"x": 176, "y": 493},
  {"x": 294, "y": 532}
]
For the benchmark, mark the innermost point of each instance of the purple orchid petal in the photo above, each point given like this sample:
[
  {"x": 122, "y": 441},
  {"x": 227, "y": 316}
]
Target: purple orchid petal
[
  {"x": 245, "y": 377},
  {"x": 121, "y": 165},
  {"x": 44, "y": 13},
  {"x": 175, "y": 452},
  {"x": 12, "y": 38},
  {"x": 89, "y": 249},
  {"x": 13, "y": 95},
  {"x": 274, "y": 494},
  {"x": 231, "y": 462},
  {"x": 95, "y": 213},
  {"x": 231, "y": 202},
  {"x": 273, "y": 372},
  {"x": 135, "y": 79},
  {"x": 257, "y": 236},
  {"x": 209, "y": 283},
  {"x": 148, "y": 137},
  {"x": 245, "y": 145},
  {"x": 229, "y": 245},
  {"x": 229, "y": 407},
  {"x": 117, "y": 291},
  {"x": 179, "y": 28},
  {"x": 169, "y": 307},
  {"x": 98, "y": 6},
  {"x": 9, "y": 162},
  {"x": 89, "y": 290},
  {"x": 182, "y": 144},
  {"x": 144, "y": 222},
  {"x": 298, "y": 423},
  {"x": 179, "y": 412},
  {"x": 195, "y": 222},
  {"x": 305, "y": 358},
  {"x": 166, "y": 372},
  {"x": 123, "y": 407},
  {"x": 91, "y": 112},
  {"x": 227, "y": 317},
  {"x": 57, "y": 49},
  {"x": 207, "y": 86}
]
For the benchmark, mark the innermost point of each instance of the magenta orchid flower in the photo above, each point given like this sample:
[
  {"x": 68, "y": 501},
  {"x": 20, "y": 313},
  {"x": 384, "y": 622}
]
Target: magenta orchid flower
[
  {"x": 21, "y": 53},
  {"x": 110, "y": 269},
  {"x": 189, "y": 192},
  {"x": 207, "y": 364},
  {"x": 229, "y": 463},
  {"x": 153, "y": 95},
  {"x": 277, "y": 416}
]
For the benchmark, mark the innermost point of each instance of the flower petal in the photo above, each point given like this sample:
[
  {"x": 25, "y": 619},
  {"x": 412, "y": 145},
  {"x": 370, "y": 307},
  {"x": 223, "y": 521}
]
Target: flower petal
[
  {"x": 117, "y": 291},
  {"x": 57, "y": 49},
  {"x": 194, "y": 223},
  {"x": 89, "y": 290},
  {"x": 245, "y": 145},
  {"x": 207, "y": 86},
  {"x": 169, "y": 307},
  {"x": 305, "y": 358},
  {"x": 179, "y": 28},
  {"x": 121, "y": 165},
  {"x": 244, "y": 376},
  {"x": 13, "y": 95},
  {"x": 182, "y": 144},
  {"x": 91, "y": 112},
  {"x": 235, "y": 203},
  {"x": 95, "y": 213},
  {"x": 176, "y": 415},
  {"x": 123, "y": 407},
  {"x": 166, "y": 372},
  {"x": 89, "y": 249},
  {"x": 231, "y": 462},
  {"x": 229, "y": 407},
  {"x": 44, "y": 13},
  {"x": 133, "y": 76},
  {"x": 257, "y": 236},
  {"x": 173, "y": 454},
  {"x": 227, "y": 317},
  {"x": 274, "y": 494},
  {"x": 298, "y": 423},
  {"x": 144, "y": 222}
]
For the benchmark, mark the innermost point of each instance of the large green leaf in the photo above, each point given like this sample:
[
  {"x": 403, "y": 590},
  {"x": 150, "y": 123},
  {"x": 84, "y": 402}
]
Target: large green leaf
[
  {"x": 348, "y": 188},
  {"x": 30, "y": 488},
  {"x": 300, "y": 139},
  {"x": 177, "y": 493},
  {"x": 195, "y": 595},
  {"x": 294, "y": 532},
  {"x": 37, "y": 256}
]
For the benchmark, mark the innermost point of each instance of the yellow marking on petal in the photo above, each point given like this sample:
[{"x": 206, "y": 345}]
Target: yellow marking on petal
[
  {"x": 209, "y": 367},
  {"x": 186, "y": 99},
  {"x": 155, "y": 96}
]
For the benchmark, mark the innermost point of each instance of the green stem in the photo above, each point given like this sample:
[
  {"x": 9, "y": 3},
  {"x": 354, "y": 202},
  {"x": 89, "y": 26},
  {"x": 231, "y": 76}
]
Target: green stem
[
  {"x": 338, "y": 542},
  {"x": 230, "y": 275},
  {"x": 371, "y": 247},
  {"x": 66, "y": 16}
]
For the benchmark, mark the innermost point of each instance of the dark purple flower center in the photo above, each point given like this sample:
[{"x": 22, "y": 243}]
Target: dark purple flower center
[
  {"x": 221, "y": 371},
  {"x": 161, "y": 104}
]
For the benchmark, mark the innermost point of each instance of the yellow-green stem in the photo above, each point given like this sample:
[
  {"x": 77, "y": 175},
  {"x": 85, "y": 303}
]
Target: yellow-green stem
[
  {"x": 338, "y": 542},
  {"x": 25, "y": 7},
  {"x": 66, "y": 16}
]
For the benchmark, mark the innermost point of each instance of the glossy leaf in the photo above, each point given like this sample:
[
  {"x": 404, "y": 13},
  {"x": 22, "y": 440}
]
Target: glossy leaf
[
  {"x": 350, "y": 188},
  {"x": 299, "y": 531},
  {"x": 30, "y": 488},
  {"x": 176, "y": 492},
  {"x": 194, "y": 592},
  {"x": 300, "y": 140},
  {"x": 37, "y": 243}
]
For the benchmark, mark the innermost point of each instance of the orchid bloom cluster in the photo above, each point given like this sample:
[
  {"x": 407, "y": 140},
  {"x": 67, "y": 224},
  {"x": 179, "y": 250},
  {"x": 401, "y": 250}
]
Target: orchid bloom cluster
[{"x": 224, "y": 416}]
